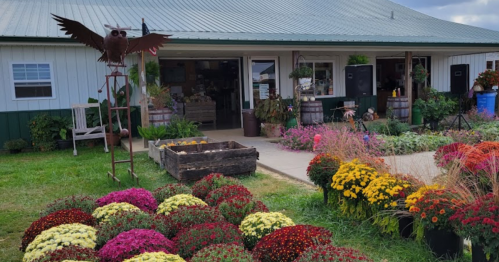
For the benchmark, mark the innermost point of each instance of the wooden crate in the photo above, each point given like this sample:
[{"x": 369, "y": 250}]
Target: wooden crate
[
  {"x": 201, "y": 112},
  {"x": 157, "y": 154},
  {"x": 229, "y": 158}
]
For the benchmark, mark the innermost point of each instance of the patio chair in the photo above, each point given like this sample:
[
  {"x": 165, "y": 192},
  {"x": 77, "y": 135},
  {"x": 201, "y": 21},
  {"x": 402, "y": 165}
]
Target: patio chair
[{"x": 81, "y": 131}]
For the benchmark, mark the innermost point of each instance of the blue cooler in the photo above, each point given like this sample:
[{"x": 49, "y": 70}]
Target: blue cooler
[{"x": 486, "y": 103}]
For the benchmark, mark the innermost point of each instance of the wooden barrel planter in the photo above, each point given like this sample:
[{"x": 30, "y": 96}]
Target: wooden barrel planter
[
  {"x": 312, "y": 112},
  {"x": 399, "y": 107},
  {"x": 160, "y": 117}
]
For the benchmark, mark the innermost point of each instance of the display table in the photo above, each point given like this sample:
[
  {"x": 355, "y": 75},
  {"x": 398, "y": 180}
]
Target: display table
[{"x": 201, "y": 112}]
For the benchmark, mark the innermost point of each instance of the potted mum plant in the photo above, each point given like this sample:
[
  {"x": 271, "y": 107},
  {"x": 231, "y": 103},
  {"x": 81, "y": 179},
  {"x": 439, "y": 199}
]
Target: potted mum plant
[
  {"x": 15, "y": 145},
  {"x": 321, "y": 170},
  {"x": 434, "y": 107},
  {"x": 273, "y": 112}
]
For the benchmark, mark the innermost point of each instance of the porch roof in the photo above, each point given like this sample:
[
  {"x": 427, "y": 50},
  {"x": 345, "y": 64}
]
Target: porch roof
[{"x": 258, "y": 21}]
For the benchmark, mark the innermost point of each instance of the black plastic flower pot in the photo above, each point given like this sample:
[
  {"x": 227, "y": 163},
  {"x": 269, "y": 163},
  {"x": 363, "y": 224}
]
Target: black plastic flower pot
[
  {"x": 478, "y": 255},
  {"x": 444, "y": 244},
  {"x": 405, "y": 226}
]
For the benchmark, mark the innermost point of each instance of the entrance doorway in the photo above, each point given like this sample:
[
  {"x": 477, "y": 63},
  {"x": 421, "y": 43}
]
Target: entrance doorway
[
  {"x": 390, "y": 76},
  {"x": 214, "y": 82}
]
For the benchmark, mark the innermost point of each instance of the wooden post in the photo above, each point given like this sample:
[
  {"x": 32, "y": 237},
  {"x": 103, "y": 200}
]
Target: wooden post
[
  {"x": 408, "y": 82},
  {"x": 144, "y": 110},
  {"x": 296, "y": 93}
]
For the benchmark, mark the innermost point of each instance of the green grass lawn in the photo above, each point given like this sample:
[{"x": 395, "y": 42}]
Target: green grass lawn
[{"x": 29, "y": 181}]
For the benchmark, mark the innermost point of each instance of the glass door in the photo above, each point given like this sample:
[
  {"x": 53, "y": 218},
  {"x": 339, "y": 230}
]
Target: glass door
[{"x": 263, "y": 79}]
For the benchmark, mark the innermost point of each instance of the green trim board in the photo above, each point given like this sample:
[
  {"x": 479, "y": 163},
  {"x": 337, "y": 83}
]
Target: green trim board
[{"x": 16, "y": 123}]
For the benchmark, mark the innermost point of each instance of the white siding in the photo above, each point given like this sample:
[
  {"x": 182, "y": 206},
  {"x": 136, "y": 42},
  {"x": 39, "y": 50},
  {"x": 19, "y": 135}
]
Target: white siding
[
  {"x": 440, "y": 69},
  {"x": 285, "y": 67},
  {"x": 77, "y": 76}
]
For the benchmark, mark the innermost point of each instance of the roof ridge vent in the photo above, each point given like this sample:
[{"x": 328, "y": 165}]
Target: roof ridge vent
[{"x": 393, "y": 14}]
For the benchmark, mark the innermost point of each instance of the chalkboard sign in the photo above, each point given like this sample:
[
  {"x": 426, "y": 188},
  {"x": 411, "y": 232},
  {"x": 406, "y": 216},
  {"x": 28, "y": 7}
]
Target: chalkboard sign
[{"x": 174, "y": 75}]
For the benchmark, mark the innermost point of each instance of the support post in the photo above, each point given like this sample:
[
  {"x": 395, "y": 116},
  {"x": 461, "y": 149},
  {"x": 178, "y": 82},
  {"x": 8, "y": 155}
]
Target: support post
[
  {"x": 296, "y": 93},
  {"x": 144, "y": 110},
  {"x": 408, "y": 82}
]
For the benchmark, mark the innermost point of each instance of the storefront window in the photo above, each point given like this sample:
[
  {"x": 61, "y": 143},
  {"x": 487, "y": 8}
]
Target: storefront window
[{"x": 323, "y": 78}]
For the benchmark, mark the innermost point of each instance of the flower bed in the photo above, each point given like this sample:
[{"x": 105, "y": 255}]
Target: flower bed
[
  {"x": 211, "y": 182},
  {"x": 188, "y": 216},
  {"x": 138, "y": 197},
  {"x": 85, "y": 203},
  {"x": 167, "y": 191},
  {"x": 218, "y": 195},
  {"x": 331, "y": 253},
  {"x": 122, "y": 222},
  {"x": 155, "y": 257},
  {"x": 236, "y": 208},
  {"x": 70, "y": 253},
  {"x": 102, "y": 214},
  {"x": 173, "y": 203},
  {"x": 257, "y": 225},
  {"x": 223, "y": 252}
]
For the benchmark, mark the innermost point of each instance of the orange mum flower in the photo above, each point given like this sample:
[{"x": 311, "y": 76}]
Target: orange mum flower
[
  {"x": 442, "y": 211},
  {"x": 434, "y": 219},
  {"x": 423, "y": 215}
]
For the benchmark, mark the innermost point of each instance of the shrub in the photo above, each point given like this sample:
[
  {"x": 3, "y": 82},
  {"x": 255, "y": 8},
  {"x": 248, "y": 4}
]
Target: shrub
[
  {"x": 181, "y": 128},
  {"x": 409, "y": 143},
  {"x": 41, "y": 133},
  {"x": 188, "y": 216},
  {"x": 287, "y": 243},
  {"x": 102, "y": 214},
  {"x": 257, "y": 225},
  {"x": 59, "y": 237},
  {"x": 122, "y": 222},
  {"x": 222, "y": 253},
  {"x": 211, "y": 182},
  {"x": 464, "y": 136},
  {"x": 236, "y": 208},
  {"x": 218, "y": 195},
  {"x": 155, "y": 257},
  {"x": 444, "y": 150},
  {"x": 134, "y": 242},
  {"x": 173, "y": 203},
  {"x": 331, "y": 253},
  {"x": 85, "y": 203},
  {"x": 15, "y": 144},
  {"x": 170, "y": 190},
  {"x": 70, "y": 253},
  {"x": 55, "y": 219},
  {"x": 393, "y": 127},
  {"x": 190, "y": 240},
  {"x": 138, "y": 197},
  {"x": 489, "y": 131}
]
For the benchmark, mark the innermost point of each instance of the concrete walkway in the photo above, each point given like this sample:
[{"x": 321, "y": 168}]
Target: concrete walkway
[{"x": 294, "y": 164}]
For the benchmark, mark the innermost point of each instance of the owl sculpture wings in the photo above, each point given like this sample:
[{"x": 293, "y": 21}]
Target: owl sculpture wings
[{"x": 115, "y": 46}]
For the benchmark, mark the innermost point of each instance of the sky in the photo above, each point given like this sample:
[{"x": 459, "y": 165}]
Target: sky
[{"x": 481, "y": 13}]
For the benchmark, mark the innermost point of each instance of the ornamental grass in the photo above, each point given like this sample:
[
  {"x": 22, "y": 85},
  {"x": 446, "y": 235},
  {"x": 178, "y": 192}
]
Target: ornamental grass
[
  {"x": 59, "y": 237},
  {"x": 211, "y": 182},
  {"x": 224, "y": 253},
  {"x": 329, "y": 253},
  {"x": 218, "y": 195},
  {"x": 55, "y": 219},
  {"x": 134, "y": 242},
  {"x": 70, "y": 253},
  {"x": 188, "y": 216},
  {"x": 102, "y": 214},
  {"x": 169, "y": 190},
  {"x": 138, "y": 197},
  {"x": 173, "y": 203},
  {"x": 190, "y": 240},
  {"x": 236, "y": 208},
  {"x": 85, "y": 203},
  {"x": 257, "y": 225},
  {"x": 122, "y": 222},
  {"x": 287, "y": 243},
  {"x": 155, "y": 257}
]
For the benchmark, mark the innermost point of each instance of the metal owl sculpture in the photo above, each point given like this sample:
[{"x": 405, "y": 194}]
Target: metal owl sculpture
[{"x": 115, "y": 46}]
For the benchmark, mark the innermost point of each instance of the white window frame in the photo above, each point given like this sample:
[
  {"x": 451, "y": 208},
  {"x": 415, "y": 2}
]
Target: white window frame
[
  {"x": 313, "y": 76},
  {"x": 13, "y": 87},
  {"x": 250, "y": 77}
]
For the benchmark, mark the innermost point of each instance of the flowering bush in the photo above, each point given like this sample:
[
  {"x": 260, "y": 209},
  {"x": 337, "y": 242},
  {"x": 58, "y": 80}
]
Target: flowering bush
[
  {"x": 102, "y": 213},
  {"x": 211, "y": 182},
  {"x": 322, "y": 168},
  {"x": 488, "y": 79},
  {"x": 85, "y": 203},
  {"x": 287, "y": 243},
  {"x": 488, "y": 147},
  {"x": 444, "y": 150},
  {"x": 155, "y": 257},
  {"x": 435, "y": 207},
  {"x": 70, "y": 253},
  {"x": 170, "y": 190},
  {"x": 385, "y": 190},
  {"x": 59, "y": 237},
  {"x": 410, "y": 142},
  {"x": 55, "y": 219},
  {"x": 190, "y": 240},
  {"x": 138, "y": 197},
  {"x": 301, "y": 138},
  {"x": 218, "y": 195},
  {"x": 122, "y": 222},
  {"x": 174, "y": 202},
  {"x": 257, "y": 225},
  {"x": 222, "y": 253},
  {"x": 469, "y": 137},
  {"x": 188, "y": 216},
  {"x": 134, "y": 242},
  {"x": 351, "y": 180},
  {"x": 331, "y": 253},
  {"x": 236, "y": 208},
  {"x": 479, "y": 221},
  {"x": 411, "y": 199}
]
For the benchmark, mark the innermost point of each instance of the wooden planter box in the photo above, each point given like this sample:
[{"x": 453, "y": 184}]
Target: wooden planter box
[
  {"x": 193, "y": 162},
  {"x": 158, "y": 154},
  {"x": 201, "y": 112}
]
